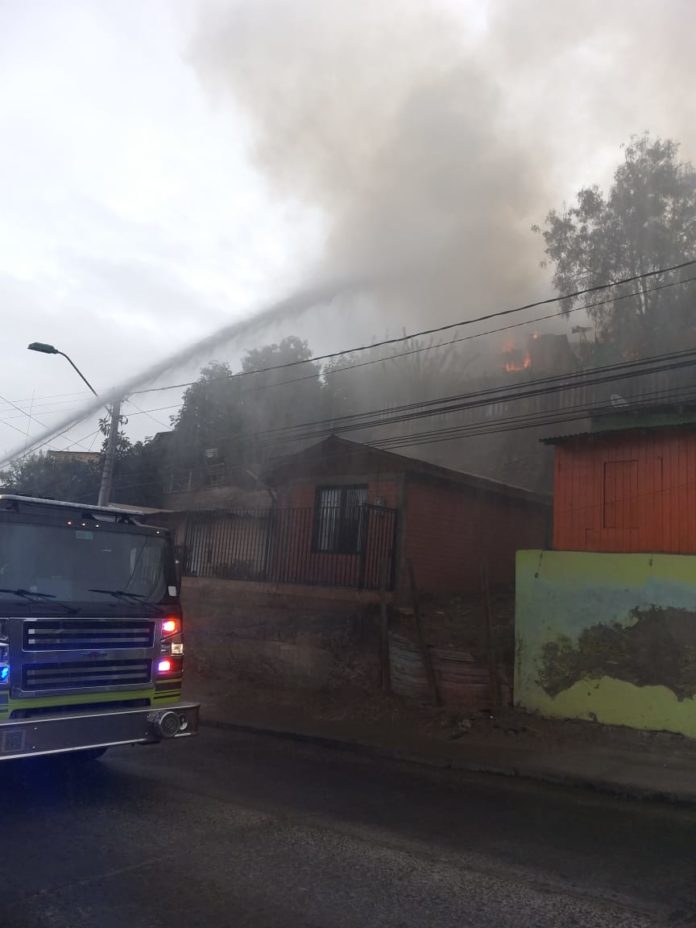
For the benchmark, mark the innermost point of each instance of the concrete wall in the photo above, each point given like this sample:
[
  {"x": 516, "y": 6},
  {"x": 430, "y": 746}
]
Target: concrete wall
[{"x": 607, "y": 637}]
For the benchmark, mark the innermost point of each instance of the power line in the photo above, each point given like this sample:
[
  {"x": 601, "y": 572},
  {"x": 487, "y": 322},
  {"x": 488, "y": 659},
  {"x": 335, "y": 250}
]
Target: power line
[
  {"x": 532, "y": 421},
  {"x": 36, "y": 448},
  {"x": 453, "y": 341},
  {"x": 31, "y": 419},
  {"x": 453, "y": 325},
  {"x": 23, "y": 412},
  {"x": 146, "y": 412},
  {"x": 498, "y": 314},
  {"x": 459, "y": 402},
  {"x": 383, "y": 360}
]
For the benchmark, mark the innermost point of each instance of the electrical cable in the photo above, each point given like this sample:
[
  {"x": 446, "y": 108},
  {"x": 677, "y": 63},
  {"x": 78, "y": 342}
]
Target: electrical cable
[{"x": 463, "y": 322}]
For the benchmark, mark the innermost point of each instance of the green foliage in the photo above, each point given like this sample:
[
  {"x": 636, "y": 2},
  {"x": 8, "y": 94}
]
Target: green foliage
[
  {"x": 220, "y": 412},
  {"x": 273, "y": 399},
  {"x": 646, "y": 221},
  {"x": 59, "y": 478},
  {"x": 226, "y": 418},
  {"x": 137, "y": 476},
  {"x": 211, "y": 414}
]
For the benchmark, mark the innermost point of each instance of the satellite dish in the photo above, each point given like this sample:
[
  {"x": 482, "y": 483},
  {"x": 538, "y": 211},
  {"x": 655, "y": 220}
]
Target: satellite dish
[{"x": 617, "y": 401}]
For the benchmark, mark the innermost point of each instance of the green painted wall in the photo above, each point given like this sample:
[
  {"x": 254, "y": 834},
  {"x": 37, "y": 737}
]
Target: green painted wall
[{"x": 607, "y": 637}]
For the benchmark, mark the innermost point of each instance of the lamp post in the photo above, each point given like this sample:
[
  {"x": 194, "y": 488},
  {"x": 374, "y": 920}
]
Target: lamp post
[{"x": 115, "y": 413}]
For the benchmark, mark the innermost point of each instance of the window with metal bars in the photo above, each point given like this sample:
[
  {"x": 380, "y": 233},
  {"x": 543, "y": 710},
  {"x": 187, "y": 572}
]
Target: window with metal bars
[{"x": 339, "y": 521}]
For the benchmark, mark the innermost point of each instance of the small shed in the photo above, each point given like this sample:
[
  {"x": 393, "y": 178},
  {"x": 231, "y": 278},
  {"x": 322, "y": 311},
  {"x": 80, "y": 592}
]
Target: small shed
[
  {"x": 445, "y": 522},
  {"x": 628, "y": 484}
]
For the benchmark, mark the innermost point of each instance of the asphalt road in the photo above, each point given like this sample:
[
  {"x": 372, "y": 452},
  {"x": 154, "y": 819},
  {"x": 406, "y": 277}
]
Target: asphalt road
[{"x": 238, "y": 830}]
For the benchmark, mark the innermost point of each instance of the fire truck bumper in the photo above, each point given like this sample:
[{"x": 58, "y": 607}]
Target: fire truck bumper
[{"x": 83, "y": 730}]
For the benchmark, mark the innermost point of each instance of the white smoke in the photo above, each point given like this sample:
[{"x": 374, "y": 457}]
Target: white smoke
[
  {"x": 385, "y": 116},
  {"x": 433, "y": 134}
]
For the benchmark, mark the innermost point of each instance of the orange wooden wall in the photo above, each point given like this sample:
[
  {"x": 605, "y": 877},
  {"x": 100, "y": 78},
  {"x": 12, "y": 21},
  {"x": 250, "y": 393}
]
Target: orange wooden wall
[{"x": 631, "y": 492}]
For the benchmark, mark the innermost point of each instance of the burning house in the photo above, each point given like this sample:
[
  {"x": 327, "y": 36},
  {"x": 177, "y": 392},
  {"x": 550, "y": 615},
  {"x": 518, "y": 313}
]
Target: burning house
[{"x": 542, "y": 352}]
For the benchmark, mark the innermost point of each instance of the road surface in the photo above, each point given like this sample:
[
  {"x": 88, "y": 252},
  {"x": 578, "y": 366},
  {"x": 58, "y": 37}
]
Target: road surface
[{"x": 240, "y": 830}]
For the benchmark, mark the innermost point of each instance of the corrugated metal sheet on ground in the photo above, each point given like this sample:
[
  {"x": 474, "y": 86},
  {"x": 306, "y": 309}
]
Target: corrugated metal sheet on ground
[{"x": 461, "y": 680}]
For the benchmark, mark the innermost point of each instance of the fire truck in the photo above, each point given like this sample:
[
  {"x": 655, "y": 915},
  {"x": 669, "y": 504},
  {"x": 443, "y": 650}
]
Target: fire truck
[{"x": 91, "y": 648}]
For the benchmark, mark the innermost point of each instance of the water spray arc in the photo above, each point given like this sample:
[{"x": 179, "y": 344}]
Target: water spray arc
[{"x": 289, "y": 308}]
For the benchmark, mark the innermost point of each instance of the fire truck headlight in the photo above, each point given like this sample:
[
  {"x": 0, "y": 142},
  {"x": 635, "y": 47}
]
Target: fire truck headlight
[{"x": 4, "y": 673}]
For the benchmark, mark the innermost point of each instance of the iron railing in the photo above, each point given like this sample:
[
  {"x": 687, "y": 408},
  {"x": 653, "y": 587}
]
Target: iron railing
[{"x": 324, "y": 547}]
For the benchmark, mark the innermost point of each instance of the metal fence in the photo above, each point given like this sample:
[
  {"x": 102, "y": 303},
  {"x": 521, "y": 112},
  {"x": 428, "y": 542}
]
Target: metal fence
[{"x": 294, "y": 546}]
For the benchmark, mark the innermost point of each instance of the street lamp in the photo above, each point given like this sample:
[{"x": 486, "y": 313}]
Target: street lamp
[
  {"x": 49, "y": 349},
  {"x": 115, "y": 411}
]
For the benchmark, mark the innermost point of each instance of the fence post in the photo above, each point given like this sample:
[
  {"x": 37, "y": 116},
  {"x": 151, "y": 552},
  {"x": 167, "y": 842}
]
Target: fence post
[
  {"x": 425, "y": 653},
  {"x": 385, "y": 657},
  {"x": 490, "y": 651},
  {"x": 364, "y": 537},
  {"x": 268, "y": 546}
]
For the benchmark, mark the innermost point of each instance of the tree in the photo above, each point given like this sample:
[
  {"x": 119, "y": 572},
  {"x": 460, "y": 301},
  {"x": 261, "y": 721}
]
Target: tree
[
  {"x": 210, "y": 416},
  {"x": 225, "y": 419},
  {"x": 279, "y": 397},
  {"x": 58, "y": 478},
  {"x": 646, "y": 221}
]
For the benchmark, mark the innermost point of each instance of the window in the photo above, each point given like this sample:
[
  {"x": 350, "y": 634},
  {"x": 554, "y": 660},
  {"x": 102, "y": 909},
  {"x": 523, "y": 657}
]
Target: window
[
  {"x": 340, "y": 519},
  {"x": 80, "y": 564},
  {"x": 621, "y": 494},
  {"x": 215, "y": 467}
]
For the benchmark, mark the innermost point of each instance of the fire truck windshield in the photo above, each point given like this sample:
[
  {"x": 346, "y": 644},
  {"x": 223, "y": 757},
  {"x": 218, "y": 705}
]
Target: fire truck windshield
[{"x": 81, "y": 565}]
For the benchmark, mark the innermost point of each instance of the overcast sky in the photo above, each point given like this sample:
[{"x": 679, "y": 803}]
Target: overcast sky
[
  {"x": 131, "y": 221},
  {"x": 167, "y": 165}
]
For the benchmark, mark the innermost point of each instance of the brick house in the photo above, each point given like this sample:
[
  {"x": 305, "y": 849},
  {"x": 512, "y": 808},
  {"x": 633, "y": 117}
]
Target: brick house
[{"x": 350, "y": 515}]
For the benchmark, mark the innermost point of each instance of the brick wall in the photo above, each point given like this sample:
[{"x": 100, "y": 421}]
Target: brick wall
[{"x": 449, "y": 532}]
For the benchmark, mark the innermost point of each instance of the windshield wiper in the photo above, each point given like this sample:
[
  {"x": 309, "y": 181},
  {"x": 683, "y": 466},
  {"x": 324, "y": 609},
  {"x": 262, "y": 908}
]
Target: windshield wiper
[
  {"x": 28, "y": 594},
  {"x": 127, "y": 595},
  {"x": 118, "y": 594},
  {"x": 33, "y": 596}
]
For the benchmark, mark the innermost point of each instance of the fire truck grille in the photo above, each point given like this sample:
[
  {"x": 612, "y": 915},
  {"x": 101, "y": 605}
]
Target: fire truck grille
[
  {"x": 68, "y": 675},
  {"x": 86, "y": 635}
]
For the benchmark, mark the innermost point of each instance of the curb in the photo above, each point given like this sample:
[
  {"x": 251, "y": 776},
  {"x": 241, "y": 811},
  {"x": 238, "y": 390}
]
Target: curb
[{"x": 535, "y": 774}]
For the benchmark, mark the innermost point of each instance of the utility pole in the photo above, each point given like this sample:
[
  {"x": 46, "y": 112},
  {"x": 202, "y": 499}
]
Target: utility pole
[
  {"x": 115, "y": 421},
  {"x": 110, "y": 455}
]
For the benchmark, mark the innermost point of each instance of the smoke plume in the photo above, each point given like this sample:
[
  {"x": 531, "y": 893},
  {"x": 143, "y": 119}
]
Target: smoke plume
[
  {"x": 384, "y": 116},
  {"x": 433, "y": 134}
]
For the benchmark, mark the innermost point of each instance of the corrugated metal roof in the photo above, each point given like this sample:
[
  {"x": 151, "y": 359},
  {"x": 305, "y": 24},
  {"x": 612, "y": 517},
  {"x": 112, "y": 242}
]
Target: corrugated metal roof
[{"x": 616, "y": 430}]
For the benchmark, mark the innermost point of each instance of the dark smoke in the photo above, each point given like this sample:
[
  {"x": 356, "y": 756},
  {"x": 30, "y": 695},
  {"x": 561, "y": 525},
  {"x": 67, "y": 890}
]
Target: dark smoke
[
  {"x": 433, "y": 133},
  {"x": 384, "y": 115}
]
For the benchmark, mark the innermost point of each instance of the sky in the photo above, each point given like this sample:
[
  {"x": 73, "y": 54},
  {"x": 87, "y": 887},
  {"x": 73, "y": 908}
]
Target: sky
[{"x": 169, "y": 166}]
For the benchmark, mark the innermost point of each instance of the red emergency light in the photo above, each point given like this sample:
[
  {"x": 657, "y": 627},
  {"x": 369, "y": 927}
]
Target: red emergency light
[{"x": 171, "y": 626}]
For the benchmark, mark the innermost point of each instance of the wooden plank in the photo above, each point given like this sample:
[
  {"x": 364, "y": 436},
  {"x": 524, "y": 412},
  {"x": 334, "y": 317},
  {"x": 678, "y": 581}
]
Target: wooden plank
[
  {"x": 490, "y": 654},
  {"x": 384, "y": 629},
  {"x": 427, "y": 663}
]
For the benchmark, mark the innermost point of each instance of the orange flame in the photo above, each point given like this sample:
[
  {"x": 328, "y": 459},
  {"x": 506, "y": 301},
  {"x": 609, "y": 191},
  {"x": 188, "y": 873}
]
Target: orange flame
[
  {"x": 515, "y": 359},
  {"x": 511, "y": 366}
]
